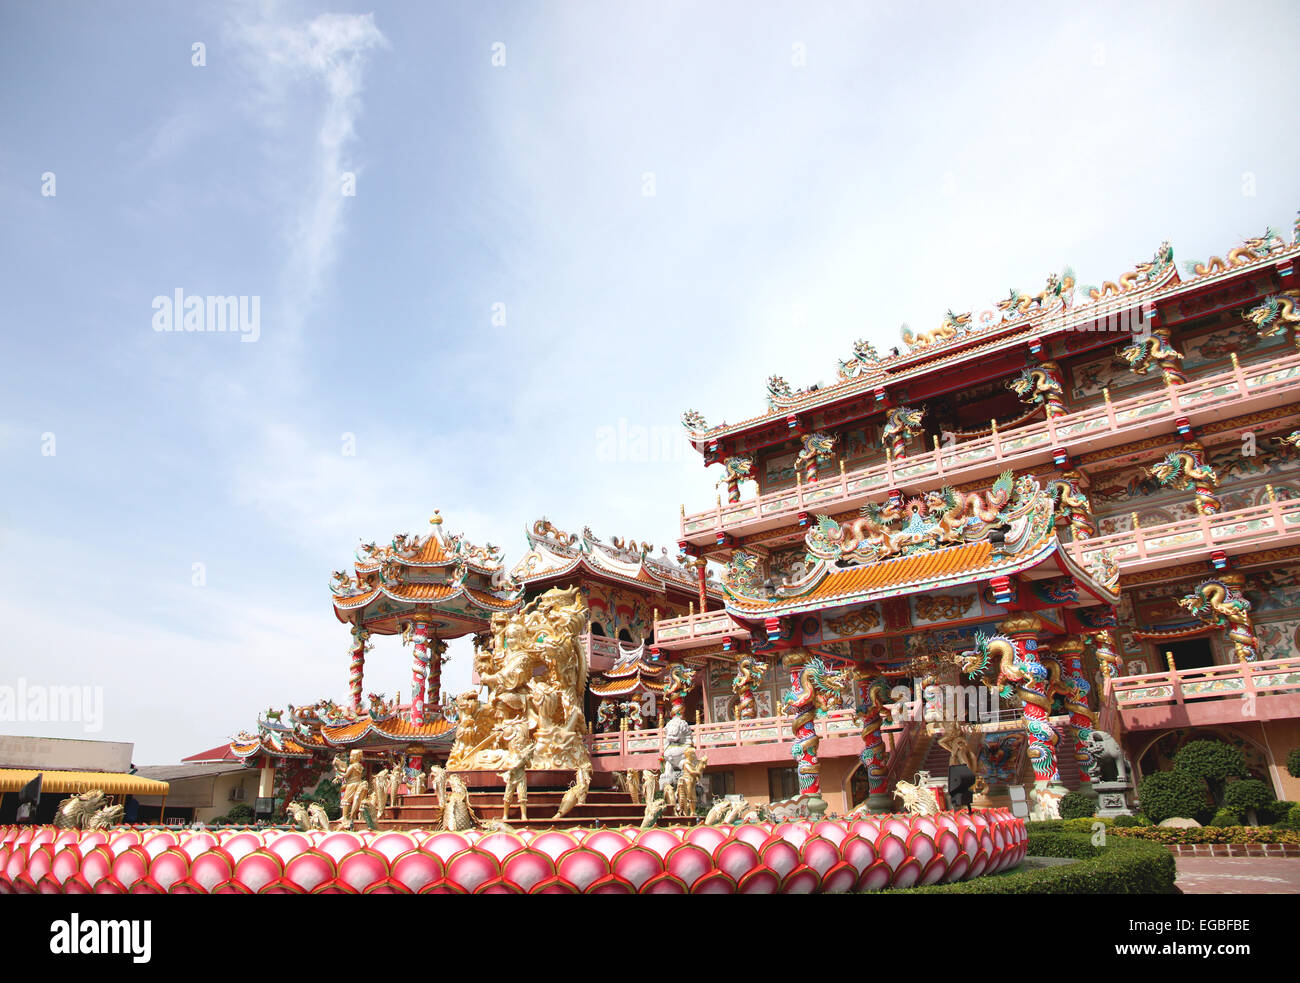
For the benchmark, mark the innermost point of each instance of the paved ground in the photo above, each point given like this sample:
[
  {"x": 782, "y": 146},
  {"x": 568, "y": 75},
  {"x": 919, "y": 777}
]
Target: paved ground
[{"x": 1239, "y": 875}]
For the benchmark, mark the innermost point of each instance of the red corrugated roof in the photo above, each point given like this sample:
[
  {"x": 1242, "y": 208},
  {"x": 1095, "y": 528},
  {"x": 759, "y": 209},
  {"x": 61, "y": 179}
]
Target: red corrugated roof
[{"x": 219, "y": 753}]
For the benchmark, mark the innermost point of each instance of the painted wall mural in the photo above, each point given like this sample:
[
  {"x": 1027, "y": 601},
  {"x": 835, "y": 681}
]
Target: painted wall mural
[{"x": 1278, "y": 639}]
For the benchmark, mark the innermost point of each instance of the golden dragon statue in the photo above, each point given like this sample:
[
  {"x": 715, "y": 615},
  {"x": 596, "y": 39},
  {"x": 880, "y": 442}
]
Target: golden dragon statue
[
  {"x": 1276, "y": 314},
  {"x": 1225, "y": 606},
  {"x": 1250, "y": 251},
  {"x": 1188, "y": 469},
  {"x": 951, "y": 325}
]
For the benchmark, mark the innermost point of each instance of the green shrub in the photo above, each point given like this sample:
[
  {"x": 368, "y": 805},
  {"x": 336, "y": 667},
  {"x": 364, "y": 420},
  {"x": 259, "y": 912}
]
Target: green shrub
[
  {"x": 240, "y": 813},
  {"x": 1120, "y": 866},
  {"x": 1248, "y": 797},
  {"x": 1130, "y": 821},
  {"x": 1226, "y": 817},
  {"x": 1076, "y": 805},
  {"x": 1167, "y": 794},
  {"x": 1214, "y": 762},
  {"x": 1293, "y": 762},
  {"x": 1292, "y": 820},
  {"x": 1276, "y": 811}
]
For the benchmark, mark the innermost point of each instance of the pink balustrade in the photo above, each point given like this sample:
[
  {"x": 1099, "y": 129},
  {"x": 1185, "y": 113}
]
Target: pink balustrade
[
  {"x": 1272, "y": 524},
  {"x": 1239, "y": 390},
  {"x": 1236, "y": 693},
  {"x": 770, "y": 735},
  {"x": 689, "y": 630}
]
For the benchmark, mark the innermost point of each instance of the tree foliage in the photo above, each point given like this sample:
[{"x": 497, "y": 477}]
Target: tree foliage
[
  {"x": 1214, "y": 762},
  {"x": 1168, "y": 794}
]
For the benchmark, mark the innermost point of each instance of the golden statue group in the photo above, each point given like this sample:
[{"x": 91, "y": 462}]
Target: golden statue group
[{"x": 536, "y": 675}]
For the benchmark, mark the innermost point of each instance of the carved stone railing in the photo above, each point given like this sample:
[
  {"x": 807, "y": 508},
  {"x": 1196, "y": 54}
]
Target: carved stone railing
[
  {"x": 693, "y": 630},
  {"x": 1239, "y": 390},
  {"x": 1272, "y": 524},
  {"x": 1237, "y": 693}
]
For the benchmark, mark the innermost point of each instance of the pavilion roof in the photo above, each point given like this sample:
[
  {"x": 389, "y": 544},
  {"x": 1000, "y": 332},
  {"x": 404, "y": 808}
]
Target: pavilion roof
[{"x": 458, "y": 584}]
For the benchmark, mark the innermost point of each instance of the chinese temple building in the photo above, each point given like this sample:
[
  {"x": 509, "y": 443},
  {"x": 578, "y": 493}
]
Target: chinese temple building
[
  {"x": 1076, "y": 511},
  {"x": 1081, "y": 497}
]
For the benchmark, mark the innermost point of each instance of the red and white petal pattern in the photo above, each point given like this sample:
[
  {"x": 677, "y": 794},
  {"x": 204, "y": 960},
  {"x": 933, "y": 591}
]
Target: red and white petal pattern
[{"x": 828, "y": 856}]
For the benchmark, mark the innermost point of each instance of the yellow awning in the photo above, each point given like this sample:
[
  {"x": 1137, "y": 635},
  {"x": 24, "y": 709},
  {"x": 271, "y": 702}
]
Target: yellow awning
[{"x": 110, "y": 782}]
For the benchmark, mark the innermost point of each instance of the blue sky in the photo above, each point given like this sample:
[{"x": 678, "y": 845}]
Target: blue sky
[{"x": 820, "y": 173}]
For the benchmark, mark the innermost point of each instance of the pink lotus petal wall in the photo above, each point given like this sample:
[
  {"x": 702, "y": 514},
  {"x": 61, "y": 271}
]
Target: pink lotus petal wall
[{"x": 830, "y": 856}]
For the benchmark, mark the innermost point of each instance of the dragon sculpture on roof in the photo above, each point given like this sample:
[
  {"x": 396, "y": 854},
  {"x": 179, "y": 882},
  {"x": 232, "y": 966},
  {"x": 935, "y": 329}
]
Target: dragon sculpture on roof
[
  {"x": 1141, "y": 274},
  {"x": 952, "y": 325},
  {"x": 1250, "y": 251}
]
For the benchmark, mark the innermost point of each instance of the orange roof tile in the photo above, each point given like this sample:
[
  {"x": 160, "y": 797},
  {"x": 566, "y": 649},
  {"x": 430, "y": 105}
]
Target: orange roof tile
[
  {"x": 431, "y": 551},
  {"x": 899, "y": 575}
]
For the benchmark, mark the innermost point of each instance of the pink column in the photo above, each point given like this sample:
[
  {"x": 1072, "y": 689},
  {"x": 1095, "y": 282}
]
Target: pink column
[{"x": 419, "y": 666}]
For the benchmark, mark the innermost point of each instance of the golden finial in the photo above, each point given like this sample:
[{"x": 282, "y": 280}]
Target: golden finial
[
  {"x": 1105, "y": 394},
  {"x": 1272, "y": 498},
  {"x": 656, "y": 617},
  {"x": 719, "y": 501},
  {"x": 1134, "y": 517},
  {"x": 798, "y": 477},
  {"x": 1236, "y": 363},
  {"x": 699, "y": 717},
  {"x": 936, "y": 442},
  {"x": 683, "y": 510},
  {"x": 661, "y": 721},
  {"x": 993, "y": 425},
  {"x": 436, "y": 518},
  {"x": 841, "y": 466},
  {"x": 1169, "y": 657},
  {"x": 692, "y": 609}
]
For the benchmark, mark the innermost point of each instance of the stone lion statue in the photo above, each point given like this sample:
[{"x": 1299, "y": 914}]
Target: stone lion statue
[{"x": 1107, "y": 760}]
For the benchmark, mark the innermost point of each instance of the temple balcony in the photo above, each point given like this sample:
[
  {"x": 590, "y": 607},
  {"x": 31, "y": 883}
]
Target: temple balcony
[
  {"x": 738, "y": 742},
  {"x": 707, "y": 628},
  {"x": 1236, "y": 392},
  {"x": 1271, "y": 525},
  {"x": 1231, "y": 694}
]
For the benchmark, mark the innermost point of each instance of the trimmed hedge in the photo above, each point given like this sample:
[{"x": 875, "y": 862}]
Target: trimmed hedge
[
  {"x": 1293, "y": 762},
  {"x": 1122, "y": 866},
  {"x": 1212, "y": 834}
]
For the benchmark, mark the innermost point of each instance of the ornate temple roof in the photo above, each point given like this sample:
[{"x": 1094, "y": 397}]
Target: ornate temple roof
[
  {"x": 325, "y": 727},
  {"x": 458, "y": 584},
  {"x": 553, "y": 554},
  {"x": 901, "y": 550},
  {"x": 1014, "y": 321},
  {"x": 632, "y": 672}
]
